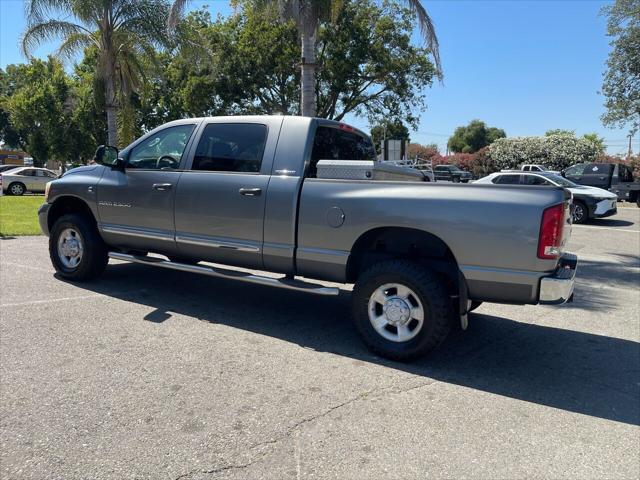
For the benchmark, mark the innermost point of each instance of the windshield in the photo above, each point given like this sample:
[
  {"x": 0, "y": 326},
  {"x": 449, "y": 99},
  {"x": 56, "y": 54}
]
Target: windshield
[{"x": 561, "y": 180}]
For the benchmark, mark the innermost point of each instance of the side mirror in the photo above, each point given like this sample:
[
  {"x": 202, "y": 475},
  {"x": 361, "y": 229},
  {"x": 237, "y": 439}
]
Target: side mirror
[{"x": 106, "y": 155}]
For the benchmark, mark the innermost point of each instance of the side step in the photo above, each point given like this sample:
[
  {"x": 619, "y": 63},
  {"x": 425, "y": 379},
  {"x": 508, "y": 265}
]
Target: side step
[{"x": 281, "y": 282}]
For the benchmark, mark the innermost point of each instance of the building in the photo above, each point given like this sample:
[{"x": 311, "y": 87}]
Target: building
[{"x": 14, "y": 157}]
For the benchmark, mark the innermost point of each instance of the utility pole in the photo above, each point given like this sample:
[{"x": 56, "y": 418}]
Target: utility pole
[{"x": 629, "y": 152}]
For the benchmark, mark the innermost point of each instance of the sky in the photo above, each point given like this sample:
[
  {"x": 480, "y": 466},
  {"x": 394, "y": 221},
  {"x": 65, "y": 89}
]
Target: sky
[{"x": 523, "y": 66}]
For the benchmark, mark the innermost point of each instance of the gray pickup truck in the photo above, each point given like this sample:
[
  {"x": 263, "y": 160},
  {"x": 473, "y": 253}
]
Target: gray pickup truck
[{"x": 247, "y": 192}]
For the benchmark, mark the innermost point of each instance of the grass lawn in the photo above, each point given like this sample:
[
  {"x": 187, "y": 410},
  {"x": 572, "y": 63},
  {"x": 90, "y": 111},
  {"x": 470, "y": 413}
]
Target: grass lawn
[{"x": 19, "y": 215}]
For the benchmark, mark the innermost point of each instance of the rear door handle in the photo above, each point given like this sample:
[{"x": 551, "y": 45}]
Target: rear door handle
[
  {"x": 162, "y": 186},
  {"x": 250, "y": 192}
]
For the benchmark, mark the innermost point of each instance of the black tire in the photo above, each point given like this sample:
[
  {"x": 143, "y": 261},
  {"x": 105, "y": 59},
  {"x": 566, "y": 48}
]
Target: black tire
[
  {"x": 16, "y": 188},
  {"x": 94, "y": 256},
  {"x": 580, "y": 212},
  {"x": 431, "y": 294},
  {"x": 455, "y": 179},
  {"x": 474, "y": 305}
]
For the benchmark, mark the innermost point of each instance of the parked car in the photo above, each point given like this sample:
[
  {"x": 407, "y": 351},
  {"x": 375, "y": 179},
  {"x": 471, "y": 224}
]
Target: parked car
[
  {"x": 588, "y": 202},
  {"x": 451, "y": 173},
  {"x": 249, "y": 192},
  {"x": 26, "y": 179},
  {"x": 532, "y": 167},
  {"x": 615, "y": 177},
  {"x": 6, "y": 168}
]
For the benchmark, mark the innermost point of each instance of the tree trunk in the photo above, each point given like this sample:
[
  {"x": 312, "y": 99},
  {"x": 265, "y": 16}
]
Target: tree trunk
[
  {"x": 110, "y": 103},
  {"x": 308, "y": 64}
]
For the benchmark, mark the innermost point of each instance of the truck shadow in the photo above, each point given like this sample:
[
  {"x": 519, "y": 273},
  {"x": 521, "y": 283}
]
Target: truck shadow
[{"x": 574, "y": 371}]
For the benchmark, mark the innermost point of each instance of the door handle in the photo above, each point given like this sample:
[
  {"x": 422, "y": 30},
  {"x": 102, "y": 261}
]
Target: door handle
[
  {"x": 250, "y": 192},
  {"x": 162, "y": 187}
]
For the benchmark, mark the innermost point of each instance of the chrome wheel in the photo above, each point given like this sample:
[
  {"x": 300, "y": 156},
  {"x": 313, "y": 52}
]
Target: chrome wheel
[
  {"x": 578, "y": 213},
  {"x": 395, "y": 312},
  {"x": 70, "y": 248},
  {"x": 17, "y": 189}
]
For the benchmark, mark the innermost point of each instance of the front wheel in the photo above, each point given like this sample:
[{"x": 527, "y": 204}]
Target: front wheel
[
  {"x": 76, "y": 249},
  {"x": 401, "y": 310},
  {"x": 580, "y": 212}
]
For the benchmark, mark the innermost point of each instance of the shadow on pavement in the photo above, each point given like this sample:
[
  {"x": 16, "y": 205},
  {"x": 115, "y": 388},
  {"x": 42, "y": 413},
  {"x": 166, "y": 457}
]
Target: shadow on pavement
[
  {"x": 609, "y": 222},
  {"x": 574, "y": 371}
]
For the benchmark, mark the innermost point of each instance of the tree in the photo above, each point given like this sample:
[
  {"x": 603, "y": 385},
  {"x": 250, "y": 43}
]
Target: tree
[
  {"x": 621, "y": 84},
  {"x": 122, "y": 31},
  {"x": 597, "y": 140},
  {"x": 473, "y": 137},
  {"x": 248, "y": 64},
  {"x": 40, "y": 105},
  {"x": 560, "y": 131},
  {"x": 388, "y": 130},
  {"x": 308, "y": 15}
]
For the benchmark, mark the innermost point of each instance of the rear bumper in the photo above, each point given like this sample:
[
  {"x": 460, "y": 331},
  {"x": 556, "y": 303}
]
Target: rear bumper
[
  {"x": 558, "y": 288},
  {"x": 43, "y": 213}
]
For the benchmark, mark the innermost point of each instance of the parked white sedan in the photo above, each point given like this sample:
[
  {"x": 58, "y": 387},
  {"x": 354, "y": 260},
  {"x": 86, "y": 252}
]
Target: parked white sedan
[{"x": 26, "y": 179}]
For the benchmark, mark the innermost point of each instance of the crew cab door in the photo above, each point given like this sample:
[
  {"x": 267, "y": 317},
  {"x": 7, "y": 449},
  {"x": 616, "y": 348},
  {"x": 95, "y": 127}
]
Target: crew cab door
[
  {"x": 220, "y": 199},
  {"x": 135, "y": 206}
]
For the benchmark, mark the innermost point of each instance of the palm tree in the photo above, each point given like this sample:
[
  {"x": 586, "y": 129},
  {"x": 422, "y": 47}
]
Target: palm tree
[
  {"x": 122, "y": 31},
  {"x": 307, "y": 14}
]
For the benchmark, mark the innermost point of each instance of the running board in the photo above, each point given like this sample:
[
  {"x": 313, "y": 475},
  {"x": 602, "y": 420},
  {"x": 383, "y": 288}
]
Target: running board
[{"x": 281, "y": 282}]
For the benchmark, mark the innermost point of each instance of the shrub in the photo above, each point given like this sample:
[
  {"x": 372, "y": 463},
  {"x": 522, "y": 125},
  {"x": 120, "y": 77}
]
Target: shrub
[{"x": 555, "y": 152}]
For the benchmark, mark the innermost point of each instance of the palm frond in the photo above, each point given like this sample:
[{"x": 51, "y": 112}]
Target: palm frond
[
  {"x": 36, "y": 11},
  {"x": 428, "y": 31},
  {"x": 46, "y": 31},
  {"x": 74, "y": 43}
]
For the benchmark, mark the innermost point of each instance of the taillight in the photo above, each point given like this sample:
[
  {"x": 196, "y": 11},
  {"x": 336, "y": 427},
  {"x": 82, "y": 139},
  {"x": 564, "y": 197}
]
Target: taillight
[{"x": 551, "y": 232}]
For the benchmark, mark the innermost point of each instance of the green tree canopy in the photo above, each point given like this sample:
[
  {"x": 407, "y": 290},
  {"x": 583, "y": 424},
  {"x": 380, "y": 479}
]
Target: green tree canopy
[
  {"x": 621, "y": 85},
  {"x": 473, "y": 137}
]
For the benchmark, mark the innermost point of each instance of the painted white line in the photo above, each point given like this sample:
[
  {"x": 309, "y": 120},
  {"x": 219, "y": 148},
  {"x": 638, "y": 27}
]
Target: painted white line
[
  {"x": 53, "y": 300},
  {"x": 28, "y": 267},
  {"x": 614, "y": 229}
]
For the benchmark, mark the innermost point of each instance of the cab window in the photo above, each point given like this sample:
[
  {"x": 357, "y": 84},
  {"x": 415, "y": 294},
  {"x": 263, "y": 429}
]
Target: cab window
[
  {"x": 331, "y": 143},
  {"x": 162, "y": 150},
  {"x": 231, "y": 147}
]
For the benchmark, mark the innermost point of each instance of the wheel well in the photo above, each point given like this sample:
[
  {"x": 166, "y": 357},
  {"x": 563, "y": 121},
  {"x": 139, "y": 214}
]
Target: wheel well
[
  {"x": 65, "y": 205},
  {"x": 403, "y": 243}
]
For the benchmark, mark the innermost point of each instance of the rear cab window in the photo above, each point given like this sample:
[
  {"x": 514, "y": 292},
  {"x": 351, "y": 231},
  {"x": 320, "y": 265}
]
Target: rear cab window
[{"x": 339, "y": 143}]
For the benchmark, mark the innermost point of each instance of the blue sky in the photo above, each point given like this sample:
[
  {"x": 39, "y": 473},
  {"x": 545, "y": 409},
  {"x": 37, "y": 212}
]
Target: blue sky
[{"x": 524, "y": 66}]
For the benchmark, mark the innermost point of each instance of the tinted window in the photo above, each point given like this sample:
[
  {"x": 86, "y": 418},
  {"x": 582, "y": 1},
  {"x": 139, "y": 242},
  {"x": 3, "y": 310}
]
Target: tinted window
[
  {"x": 27, "y": 173},
  {"x": 507, "y": 179},
  {"x": 336, "y": 144},
  {"x": 576, "y": 170},
  {"x": 535, "y": 180},
  {"x": 231, "y": 147},
  {"x": 162, "y": 150},
  {"x": 44, "y": 173}
]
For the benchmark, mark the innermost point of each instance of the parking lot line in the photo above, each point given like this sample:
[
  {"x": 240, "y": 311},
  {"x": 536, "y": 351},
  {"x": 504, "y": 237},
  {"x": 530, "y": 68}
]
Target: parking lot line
[
  {"x": 53, "y": 300},
  {"x": 615, "y": 229}
]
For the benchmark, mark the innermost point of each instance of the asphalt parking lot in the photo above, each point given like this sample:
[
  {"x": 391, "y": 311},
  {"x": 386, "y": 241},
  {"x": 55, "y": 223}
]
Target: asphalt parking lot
[{"x": 149, "y": 373}]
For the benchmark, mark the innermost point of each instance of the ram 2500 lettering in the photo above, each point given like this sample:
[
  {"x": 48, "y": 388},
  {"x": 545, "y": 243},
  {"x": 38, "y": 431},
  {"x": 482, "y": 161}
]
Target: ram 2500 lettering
[{"x": 245, "y": 192}]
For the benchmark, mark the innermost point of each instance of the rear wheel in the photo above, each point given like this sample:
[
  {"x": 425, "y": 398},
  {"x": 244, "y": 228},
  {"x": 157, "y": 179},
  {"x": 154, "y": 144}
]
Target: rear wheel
[
  {"x": 580, "y": 212},
  {"x": 76, "y": 249},
  {"x": 17, "y": 188},
  {"x": 401, "y": 310}
]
